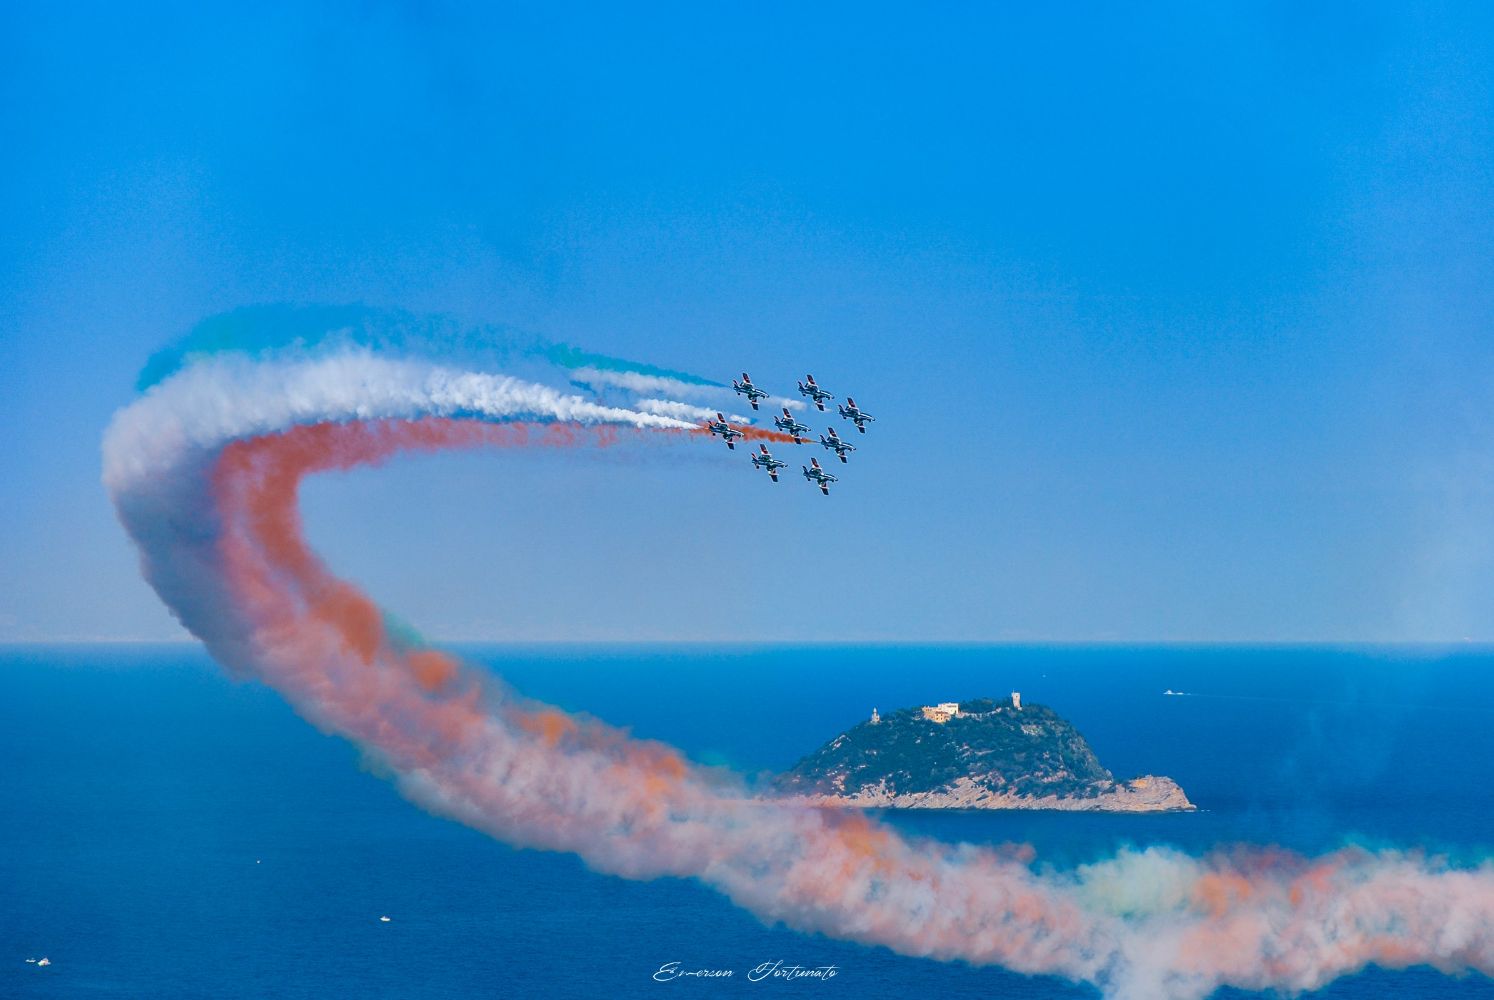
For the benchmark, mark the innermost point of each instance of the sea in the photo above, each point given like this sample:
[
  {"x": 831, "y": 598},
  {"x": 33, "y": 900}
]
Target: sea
[{"x": 167, "y": 831}]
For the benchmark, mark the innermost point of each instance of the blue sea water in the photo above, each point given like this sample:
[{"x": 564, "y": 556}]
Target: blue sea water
[{"x": 168, "y": 832}]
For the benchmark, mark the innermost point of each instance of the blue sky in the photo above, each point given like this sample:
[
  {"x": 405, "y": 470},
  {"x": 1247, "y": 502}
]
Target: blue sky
[{"x": 1177, "y": 319}]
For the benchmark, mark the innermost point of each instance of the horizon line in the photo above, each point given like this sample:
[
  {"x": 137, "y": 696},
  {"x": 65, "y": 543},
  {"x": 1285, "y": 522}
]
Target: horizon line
[{"x": 1461, "y": 643}]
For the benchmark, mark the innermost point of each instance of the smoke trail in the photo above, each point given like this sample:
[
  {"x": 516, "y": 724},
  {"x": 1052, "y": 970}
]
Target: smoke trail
[
  {"x": 686, "y": 411},
  {"x": 264, "y": 330},
  {"x": 205, "y": 470},
  {"x": 600, "y": 365},
  {"x": 641, "y": 382}
]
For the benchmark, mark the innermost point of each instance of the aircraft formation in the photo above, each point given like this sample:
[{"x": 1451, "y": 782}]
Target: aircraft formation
[{"x": 814, "y": 473}]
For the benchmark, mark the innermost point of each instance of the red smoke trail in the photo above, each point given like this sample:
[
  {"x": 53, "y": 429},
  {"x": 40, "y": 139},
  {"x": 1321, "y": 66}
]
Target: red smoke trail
[
  {"x": 292, "y": 597},
  {"x": 324, "y": 644},
  {"x": 533, "y": 776}
]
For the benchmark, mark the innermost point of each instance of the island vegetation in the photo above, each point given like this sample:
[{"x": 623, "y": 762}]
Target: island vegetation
[{"x": 980, "y": 753}]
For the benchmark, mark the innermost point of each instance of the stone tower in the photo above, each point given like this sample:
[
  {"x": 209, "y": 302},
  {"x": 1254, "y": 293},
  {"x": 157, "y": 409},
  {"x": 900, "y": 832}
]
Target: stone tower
[
  {"x": 1017, "y": 700},
  {"x": 875, "y": 717}
]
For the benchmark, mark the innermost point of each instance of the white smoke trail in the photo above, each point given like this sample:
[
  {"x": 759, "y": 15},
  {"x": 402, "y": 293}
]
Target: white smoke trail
[
  {"x": 640, "y": 383},
  {"x": 686, "y": 411},
  {"x": 232, "y": 397}
]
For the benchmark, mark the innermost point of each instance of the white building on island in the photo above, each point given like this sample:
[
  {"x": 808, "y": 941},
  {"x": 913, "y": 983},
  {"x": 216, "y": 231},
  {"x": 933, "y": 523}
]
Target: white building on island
[
  {"x": 946, "y": 710},
  {"x": 942, "y": 712}
]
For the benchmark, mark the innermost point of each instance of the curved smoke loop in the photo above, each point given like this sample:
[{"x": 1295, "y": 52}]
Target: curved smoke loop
[{"x": 204, "y": 470}]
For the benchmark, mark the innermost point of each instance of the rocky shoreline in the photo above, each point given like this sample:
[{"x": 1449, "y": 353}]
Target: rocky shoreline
[{"x": 1146, "y": 794}]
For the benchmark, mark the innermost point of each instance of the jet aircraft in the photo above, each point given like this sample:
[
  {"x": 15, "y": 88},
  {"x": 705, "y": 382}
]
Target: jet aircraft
[
  {"x": 840, "y": 444},
  {"x": 726, "y": 430},
  {"x": 814, "y": 392},
  {"x": 746, "y": 388},
  {"x": 853, "y": 412},
  {"x": 790, "y": 426},
  {"x": 818, "y": 476},
  {"x": 765, "y": 460}
]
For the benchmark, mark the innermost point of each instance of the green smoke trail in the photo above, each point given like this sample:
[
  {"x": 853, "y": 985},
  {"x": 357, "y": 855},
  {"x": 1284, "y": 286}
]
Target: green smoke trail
[{"x": 256, "y": 331}]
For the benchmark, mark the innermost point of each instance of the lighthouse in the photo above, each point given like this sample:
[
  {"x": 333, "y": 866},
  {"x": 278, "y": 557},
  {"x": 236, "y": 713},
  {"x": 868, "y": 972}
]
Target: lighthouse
[
  {"x": 875, "y": 717},
  {"x": 1017, "y": 700}
]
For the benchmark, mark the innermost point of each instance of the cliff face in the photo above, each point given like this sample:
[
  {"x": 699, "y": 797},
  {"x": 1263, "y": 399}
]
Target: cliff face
[{"x": 989, "y": 756}]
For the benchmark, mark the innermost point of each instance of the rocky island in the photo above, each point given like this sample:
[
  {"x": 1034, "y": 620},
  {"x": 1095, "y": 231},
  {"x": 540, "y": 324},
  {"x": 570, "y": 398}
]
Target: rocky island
[{"x": 980, "y": 754}]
